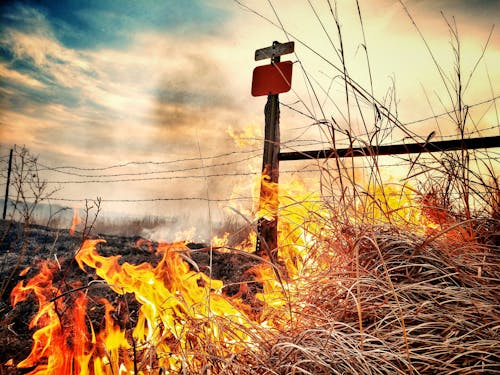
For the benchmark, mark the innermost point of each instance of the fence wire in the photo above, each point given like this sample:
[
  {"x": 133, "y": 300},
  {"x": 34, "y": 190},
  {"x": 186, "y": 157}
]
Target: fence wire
[{"x": 224, "y": 166}]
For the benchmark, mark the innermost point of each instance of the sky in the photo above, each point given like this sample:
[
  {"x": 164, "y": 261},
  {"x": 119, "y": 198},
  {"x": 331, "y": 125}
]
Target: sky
[{"x": 147, "y": 103}]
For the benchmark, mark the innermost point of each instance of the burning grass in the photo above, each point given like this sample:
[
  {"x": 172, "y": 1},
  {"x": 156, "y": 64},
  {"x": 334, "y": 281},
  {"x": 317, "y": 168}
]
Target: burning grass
[
  {"x": 398, "y": 307},
  {"x": 374, "y": 282},
  {"x": 345, "y": 298}
]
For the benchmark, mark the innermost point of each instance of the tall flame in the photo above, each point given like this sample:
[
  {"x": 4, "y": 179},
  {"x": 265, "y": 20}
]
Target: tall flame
[
  {"x": 75, "y": 221},
  {"x": 62, "y": 342},
  {"x": 181, "y": 312}
]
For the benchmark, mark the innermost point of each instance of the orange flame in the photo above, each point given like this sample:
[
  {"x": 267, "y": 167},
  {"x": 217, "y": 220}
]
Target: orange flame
[
  {"x": 62, "y": 342},
  {"x": 75, "y": 221},
  {"x": 25, "y": 271},
  {"x": 269, "y": 201},
  {"x": 175, "y": 301}
]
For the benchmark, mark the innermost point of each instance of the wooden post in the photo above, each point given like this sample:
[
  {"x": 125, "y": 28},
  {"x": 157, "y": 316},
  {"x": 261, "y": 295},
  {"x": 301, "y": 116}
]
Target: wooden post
[
  {"x": 7, "y": 187},
  {"x": 271, "y": 80},
  {"x": 267, "y": 239}
]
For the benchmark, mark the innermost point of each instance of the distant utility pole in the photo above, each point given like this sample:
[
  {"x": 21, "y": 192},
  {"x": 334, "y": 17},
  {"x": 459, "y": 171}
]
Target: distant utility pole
[
  {"x": 271, "y": 80},
  {"x": 7, "y": 187}
]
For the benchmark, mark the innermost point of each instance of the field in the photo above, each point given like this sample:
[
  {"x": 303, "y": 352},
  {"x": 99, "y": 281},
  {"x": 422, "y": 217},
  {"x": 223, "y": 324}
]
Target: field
[{"x": 46, "y": 243}]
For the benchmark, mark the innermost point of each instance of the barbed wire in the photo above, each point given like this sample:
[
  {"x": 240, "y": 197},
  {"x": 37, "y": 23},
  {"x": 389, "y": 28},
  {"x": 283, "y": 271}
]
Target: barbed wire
[
  {"x": 225, "y": 200},
  {"x": 359, "y": 136},
  {"x": 150, "y": 178},
  {"x": 450, "y": 112},
  {"x": 149, "y": 162},
  {"x": 471, "y": 132},
  {"x": 408, "y": 123},
  {"x": 168, "y": 199},
  {"x": 58, "y": 169},
  {"x": 484, "y": 156},
  {"x": 214, "y": 200},
  {"x": 284, "y": 145},
  {"x": 479, "y": 155}
]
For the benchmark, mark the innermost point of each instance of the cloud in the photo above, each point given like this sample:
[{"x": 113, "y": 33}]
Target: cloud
[
  {"x": 192, "y": 93},
  {"x": 96, "y": 24},
  {"x": 18, "y": 77},
  {"x": 18, "y": 15},
  {"x": 483, "y": 9},
  {"x": 125, "y": 102}
]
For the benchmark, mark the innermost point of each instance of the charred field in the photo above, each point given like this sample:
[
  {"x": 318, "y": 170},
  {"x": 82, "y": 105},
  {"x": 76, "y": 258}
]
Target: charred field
[{"x": 26, "y": 249}]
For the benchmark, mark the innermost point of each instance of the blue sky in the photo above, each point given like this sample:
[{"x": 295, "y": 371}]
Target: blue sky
[
  {"x": 100, "y": 83},
  {"x": 92, "y": 24}
]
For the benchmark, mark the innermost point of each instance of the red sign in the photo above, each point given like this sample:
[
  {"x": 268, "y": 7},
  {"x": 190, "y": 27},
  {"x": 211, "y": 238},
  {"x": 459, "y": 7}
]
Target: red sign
[{"x": 272, "y": 79}]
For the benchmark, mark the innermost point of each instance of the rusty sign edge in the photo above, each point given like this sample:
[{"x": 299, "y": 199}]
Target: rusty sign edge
[{"x": 275, "y": 50}]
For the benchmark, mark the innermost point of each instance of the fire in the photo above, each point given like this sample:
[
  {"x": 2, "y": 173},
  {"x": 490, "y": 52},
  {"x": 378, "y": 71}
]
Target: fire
[
  {"x": 251, "y": 135},
  {"x": 395, "y": 204},
  {"x": 180, "y": 312},
  {"x": 220, "y": 242},
  {"x": 269, "y": 200},
  {"x": 62, "y": 342},
  {"x": 75, "y": 221},
  {"x": 184, "y": 319}
]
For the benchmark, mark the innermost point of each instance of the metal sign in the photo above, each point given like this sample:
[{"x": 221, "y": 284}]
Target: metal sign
[
  {"x": 277, "y": 49},
  {"x": 272, "y": 79}
]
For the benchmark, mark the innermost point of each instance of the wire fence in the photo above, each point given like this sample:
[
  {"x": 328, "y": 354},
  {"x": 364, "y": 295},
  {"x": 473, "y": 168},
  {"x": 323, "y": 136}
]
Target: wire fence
[{"x": 228, "y": 167}]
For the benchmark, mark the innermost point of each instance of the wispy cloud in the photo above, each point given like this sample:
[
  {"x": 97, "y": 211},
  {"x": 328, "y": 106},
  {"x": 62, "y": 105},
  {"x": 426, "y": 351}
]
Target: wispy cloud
[
  {"x": 157, "y": 90},
  {"x": 486, "y": 10},
  {"x": 18, "y": 77},
  {"x": 96, "y": 24}
]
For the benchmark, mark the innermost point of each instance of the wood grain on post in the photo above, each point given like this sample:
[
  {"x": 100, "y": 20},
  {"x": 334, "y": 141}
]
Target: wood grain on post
[{"x": 267, "y": 239}]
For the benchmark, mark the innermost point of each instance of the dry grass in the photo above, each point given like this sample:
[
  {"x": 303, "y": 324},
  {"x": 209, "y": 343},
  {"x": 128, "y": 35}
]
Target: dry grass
[{"x": 394, "y": 304}]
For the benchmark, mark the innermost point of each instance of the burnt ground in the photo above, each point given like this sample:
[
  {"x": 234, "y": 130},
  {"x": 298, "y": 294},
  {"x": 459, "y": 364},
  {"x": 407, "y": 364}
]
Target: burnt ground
[{"x": 22, "y": 247}]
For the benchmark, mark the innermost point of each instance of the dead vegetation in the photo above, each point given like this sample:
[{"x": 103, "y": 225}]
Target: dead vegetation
[{"x": 397, "y": 305}]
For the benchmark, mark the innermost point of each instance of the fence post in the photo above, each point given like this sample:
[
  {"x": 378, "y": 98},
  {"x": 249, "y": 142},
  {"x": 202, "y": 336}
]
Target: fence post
[
  {"x": 268, "y": 229},
  {"x": 7, "y": 186},
  {"x": 271, "y": 80}
]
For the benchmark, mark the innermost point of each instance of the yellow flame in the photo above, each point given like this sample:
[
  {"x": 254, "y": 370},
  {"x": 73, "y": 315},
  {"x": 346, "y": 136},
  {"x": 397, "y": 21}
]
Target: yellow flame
[
  {"x": 75, "y": 221},
  {"x": 251, "y": 135}
]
